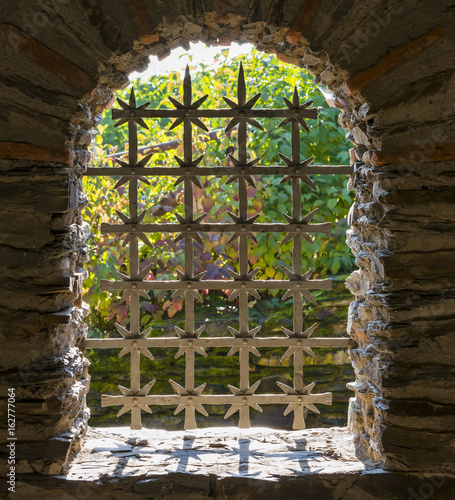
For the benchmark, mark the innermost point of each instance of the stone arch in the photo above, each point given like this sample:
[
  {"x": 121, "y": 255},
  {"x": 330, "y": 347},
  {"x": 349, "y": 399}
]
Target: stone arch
[{"x": 63, "y": 61}]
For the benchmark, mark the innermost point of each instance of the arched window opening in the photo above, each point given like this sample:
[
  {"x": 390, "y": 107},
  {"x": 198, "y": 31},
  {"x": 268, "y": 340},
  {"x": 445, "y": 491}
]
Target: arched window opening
[{"x": 220, "y": 234}]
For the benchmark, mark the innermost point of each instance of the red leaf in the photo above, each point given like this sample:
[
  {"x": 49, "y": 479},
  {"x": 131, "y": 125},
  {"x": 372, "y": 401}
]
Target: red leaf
[
  {"x": 253, "y": 259},
  {"x": 178, "y": 304},
  {"x": 207, "y": 203}
]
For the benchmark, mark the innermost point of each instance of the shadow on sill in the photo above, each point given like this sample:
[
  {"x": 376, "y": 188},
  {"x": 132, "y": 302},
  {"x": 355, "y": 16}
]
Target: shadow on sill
[{"x": 227, "y": 463}]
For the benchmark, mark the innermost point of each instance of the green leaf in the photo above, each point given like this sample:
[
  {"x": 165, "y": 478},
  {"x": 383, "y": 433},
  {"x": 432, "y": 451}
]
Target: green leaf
[{"x": 332, "y": 203}]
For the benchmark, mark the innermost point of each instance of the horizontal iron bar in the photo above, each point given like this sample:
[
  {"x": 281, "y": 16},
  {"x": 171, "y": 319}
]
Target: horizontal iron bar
[
  {"x": 217, "y": 399},
  {"x": 325, "y": 284},
  {"x": 215, "y": 113},
  {"x": 216, "y": 228},
  {"x": 221, "y": 170},
  {"x": 112, "y": 343},
  {"x": 169, "y": 145}
]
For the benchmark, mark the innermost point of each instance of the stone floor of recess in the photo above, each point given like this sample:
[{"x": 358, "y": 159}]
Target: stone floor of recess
[
  {"x": 227, "y": 451},
  {"x": 227, "y": 464}
]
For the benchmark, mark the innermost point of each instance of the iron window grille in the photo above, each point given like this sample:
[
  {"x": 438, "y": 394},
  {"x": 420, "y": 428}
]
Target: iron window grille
[{"x": 243, "y": 340}]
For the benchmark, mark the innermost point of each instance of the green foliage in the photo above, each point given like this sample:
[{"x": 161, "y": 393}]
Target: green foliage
[{"x": 325, "y": 142}]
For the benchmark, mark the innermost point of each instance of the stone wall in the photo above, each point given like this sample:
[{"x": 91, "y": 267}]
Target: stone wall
[{"x": 389, "y": 65}]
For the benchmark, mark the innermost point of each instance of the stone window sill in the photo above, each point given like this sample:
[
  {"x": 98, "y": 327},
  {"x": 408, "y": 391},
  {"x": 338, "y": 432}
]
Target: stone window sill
[
  {"x": 223, "y": 463},
  {"x": 259, "y": 453}
]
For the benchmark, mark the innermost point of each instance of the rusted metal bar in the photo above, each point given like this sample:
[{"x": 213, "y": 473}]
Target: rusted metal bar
[
  {"x": 164, "y": 342},
  {"x": 240, "y": 112},
  {"x": 217, "y": 399},
  {"x": 266, "y": 227},
  {"x": 325, "y": 284},
  {"x": 220, "y": 170}
]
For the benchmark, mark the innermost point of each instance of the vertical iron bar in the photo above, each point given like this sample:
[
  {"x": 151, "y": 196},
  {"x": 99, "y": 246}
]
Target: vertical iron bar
[
  {"x": 297, "y": 255},
  {"x": 244, "y": 411},
  {"x": 296, "y": 214},
  {"x": 244, "y": 355},
  {"x": 190, "y": 417},
  {"x": 135, "y": 361},
  {"x": 299, "y": 420}
]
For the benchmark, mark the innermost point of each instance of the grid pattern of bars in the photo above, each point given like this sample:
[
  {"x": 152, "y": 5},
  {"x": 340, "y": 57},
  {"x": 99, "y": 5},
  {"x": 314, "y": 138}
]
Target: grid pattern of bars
[{"x": 243, "y": 340}]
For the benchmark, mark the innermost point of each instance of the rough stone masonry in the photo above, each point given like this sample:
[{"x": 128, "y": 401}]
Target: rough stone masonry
[{"x": 389, "y": 66}]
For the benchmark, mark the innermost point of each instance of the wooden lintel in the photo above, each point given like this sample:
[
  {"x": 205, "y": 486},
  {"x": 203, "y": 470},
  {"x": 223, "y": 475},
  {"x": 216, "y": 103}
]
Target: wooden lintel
[
  {"x": 294, "y": 35},
  {"x": 26, "y": 151},
  {"x": 394, "y": 59},
  {"x": 48, "y": 59}
]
